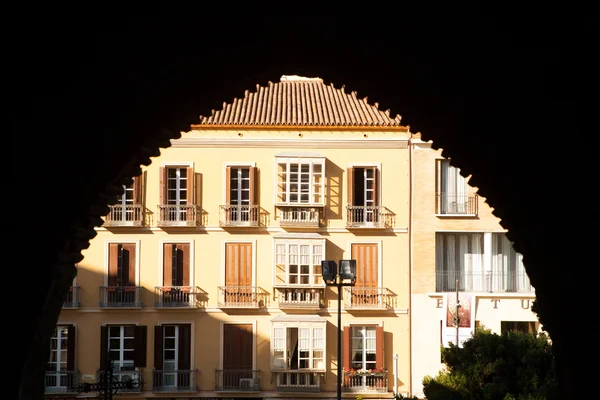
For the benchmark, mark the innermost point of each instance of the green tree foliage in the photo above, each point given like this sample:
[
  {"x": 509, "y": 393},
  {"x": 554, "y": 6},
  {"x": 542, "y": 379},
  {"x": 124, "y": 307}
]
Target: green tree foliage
[{"x": 511, "y": 366}]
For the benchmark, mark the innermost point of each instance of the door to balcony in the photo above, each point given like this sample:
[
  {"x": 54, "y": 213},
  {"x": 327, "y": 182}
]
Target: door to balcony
[
  {"x": 237, "y": 373},
  {"x": 238, "y": 275},
  {"x": 367, "y": 274}
]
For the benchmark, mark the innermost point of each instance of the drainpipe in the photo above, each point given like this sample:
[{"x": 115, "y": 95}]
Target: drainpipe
[
  {"x": 410, "y": 266},
  {"x": 395, "y": 374}
]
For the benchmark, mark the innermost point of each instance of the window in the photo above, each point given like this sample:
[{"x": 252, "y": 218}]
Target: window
[
  {"x": 122, "y": 264},
  {"x": 519, "y": 326},
  {"x": 300, "y": 181},
  {"x": 453, "y": 194},
  {"x": 363, "y": 187},
  {"x": 300, "y": 347},
  {"x": 363, "y": 347},
  {"x": 459, "y": 256},
  {"x": 241, "y": 194},
  {"x": 178, "y": 200},
  {"x": 176, "y": 264},
  {"x": 508, "y": 271},
  {"x": 172, "y": 353},
  {"x": 61, "y": 364},
  {"x": 298, "y": 261},
  {"x": 125, "y": 345}
]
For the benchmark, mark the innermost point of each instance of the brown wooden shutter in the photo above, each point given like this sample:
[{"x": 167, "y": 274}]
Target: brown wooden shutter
[
  {"x": 167, "y": 267},
  {"x": 137, "y": 190},
  {"x": 158, "y": 347},
  {"x": 185, "y": 338},
  {"x": 113, "y": 262},
  {"x": 198, "y": 192},
  {"x": 130, "y": 252},
  {"x": 162, "y": 195},
  {"x": 191, "y": 194},
  {"x": 253, "y": 186},
  {"x": 245, "y": 258},
  {"x": 346, "y": 346},
  {"x": 103, "y": 346},
  {"x": 379, "y": 347},
  {"x": 350, "y": 181},
  {"x": 141, "y": 337},
  {"x": 71, "y": 348},
  {"x": 375, "y": 188},
  {"x": 228, "y": 185},
  {"x": 185, "y": 250}
]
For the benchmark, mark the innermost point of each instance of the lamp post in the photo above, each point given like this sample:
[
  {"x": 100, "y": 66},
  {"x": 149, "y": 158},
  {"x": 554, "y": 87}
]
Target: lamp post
[
  {"x": 346, "y": 276},
  {"x": 107, "y": 386}
]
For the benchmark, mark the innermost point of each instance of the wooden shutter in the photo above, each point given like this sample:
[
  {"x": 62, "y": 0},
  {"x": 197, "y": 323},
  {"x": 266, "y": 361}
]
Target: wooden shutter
[
  {"x": 350, "y": 182},
  {"x": 379, "y": 347},
  {"x": 367, "y": 268},
  {"x": 238, "y": 264},
  {"x": 130, "y": 252},
  {"x": 162, "y": 174},
  {"x": 137, "y": 189},
  {"x": 185, "y": 273},
  {"x": 103, "y": 346},
  {"x": 71, "y": 348},
  {"x": 198, "y": 192},
  {"x": 191, "y": 194},
  {"x": 158, "y": 347},
  {"x": 346, "y": 346},
  {"x": 140, "y": 346},
  {"x": 227, "y": 185},
  {"x": 184, "y": 347},
  {"x": 113, "y": 262},
  {"x": 167, "y": 267},
  {"x": 237, "y": 346},
  {"x": 253, "y": 187}
]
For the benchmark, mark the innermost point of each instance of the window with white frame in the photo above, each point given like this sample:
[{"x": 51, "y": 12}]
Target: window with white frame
[
  {"x": 300, "y": 181},
  {"x": 298, "y": 262},
  {"x": 121, "y": 345},
  {"x": 300, "y": 347},
  {"x": 459, "y": 258},
  {"x": 363, "y": 351},
  {"x": 177, "y": 185}
]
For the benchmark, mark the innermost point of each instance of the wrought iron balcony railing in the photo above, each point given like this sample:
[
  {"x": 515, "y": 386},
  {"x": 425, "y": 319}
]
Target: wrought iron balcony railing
[
  {"x": 369, "y": 217},
  {"x": 299, "y": 298},
  {"x": 296, "y": 381},
  {"x": 367, "y": 298},
  {"x": 299, "y": 217},
  {"x": 124, "y": 376},
  {"x": 175, "y": 381},
  {"x": 178, "y": 296},
  {"x": 239, "y": 215},
  {"x": 486, "y": 281},
  {"x": 453, "y": 204},
  {"x": 179, "y": 215},
  {"x": 61, "y": 381},
  {"x": 120, "y": 296},
  {"x": 72, "y": 299},
  {"x": 237, "y": 380},
  {"x": 125, "y": 215},
  {"x": 367, "y": 383},
  {"x": 242, "y": 297}
]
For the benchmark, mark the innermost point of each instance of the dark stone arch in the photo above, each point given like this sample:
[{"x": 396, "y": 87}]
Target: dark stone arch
[{"x": 117, "y": 97}]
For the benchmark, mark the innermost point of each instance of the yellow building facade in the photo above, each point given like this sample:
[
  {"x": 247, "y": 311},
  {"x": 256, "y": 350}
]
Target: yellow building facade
[{"x": 210, "y": 277}]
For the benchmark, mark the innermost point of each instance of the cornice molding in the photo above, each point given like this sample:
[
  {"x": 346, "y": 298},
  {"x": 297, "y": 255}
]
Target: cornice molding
[{"x": 286, "y": 143}]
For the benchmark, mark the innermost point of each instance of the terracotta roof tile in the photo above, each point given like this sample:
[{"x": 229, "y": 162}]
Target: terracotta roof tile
[{"x": 299, "y": 101}]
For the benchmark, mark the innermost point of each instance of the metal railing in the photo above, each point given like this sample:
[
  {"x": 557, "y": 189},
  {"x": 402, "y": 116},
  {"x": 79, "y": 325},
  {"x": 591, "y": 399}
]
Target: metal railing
[
  {"x": 239, "y": 215},
  {"x": 124, "y": 376},
  {"x": 369, "y": 217},
  {"x": 72, "y": 298},
  {"x": 367, "y": 298},
  {"x": 177, "y": 296},
  {"x": 61, "y": 381},
  {"x": 372, "y": 383},
  {"x": 453, "y": 204},
  {"x": 486, "y": 281},
  {"x": 242, "y": 297},
  {"x": 120, "y": 296},
  {"x": 303, "y": 298},
  {"x": 306, "y": 217},
  {"x": 175, "y": 381},
  {"x": 237, "y": 380},
  {"x": 125, "y": 215},
  {"x": 178, "y": 215},
  {"x": 295, "y": 381}
]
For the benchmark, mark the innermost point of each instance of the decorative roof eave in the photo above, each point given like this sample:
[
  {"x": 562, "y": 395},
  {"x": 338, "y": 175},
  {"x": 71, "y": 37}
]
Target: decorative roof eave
[{"x": 391, "y": 128}]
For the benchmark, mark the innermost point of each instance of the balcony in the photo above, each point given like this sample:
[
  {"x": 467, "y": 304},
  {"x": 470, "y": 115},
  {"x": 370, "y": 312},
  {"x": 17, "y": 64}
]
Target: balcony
[
  {"x": 124, "y": 376},
  {"x": 120, "y": 297},
  {"x": 237, "y": 380},
  {"x": 299, "y": 217},
  {"x": 355, "y": 382},
  {"x": 242, "y": 297},
  {"x": 300, "y": 382},
  {"x": 379, "y": 217},
  {"x": 61, "y": 382},
  {"x": 178, "y": 297},
  {"x": 300, "y": 298},
  {"x": 186, "y": 215},
  {"x": 175, "y": 381},
  {"x": 447, "y": 204},
  {"x": 72, "y": 299},
  {"x": 130, "y": 215},
  {"x": 486, "y": 281},
  {"x": 367, "y": 298},
  {"x": 235, "y": 215}
]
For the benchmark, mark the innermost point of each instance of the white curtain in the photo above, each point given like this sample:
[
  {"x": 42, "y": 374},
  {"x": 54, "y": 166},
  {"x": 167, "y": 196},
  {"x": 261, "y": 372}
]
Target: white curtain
[{"x": 508, "y": 271}]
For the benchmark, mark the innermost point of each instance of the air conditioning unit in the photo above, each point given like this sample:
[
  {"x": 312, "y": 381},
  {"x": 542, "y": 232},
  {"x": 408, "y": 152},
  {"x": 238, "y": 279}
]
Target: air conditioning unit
[{"x": 246, "y": 383}]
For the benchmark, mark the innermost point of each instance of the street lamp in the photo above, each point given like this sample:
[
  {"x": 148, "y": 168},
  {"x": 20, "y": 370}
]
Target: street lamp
[{"x": 346, "y": 276}]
